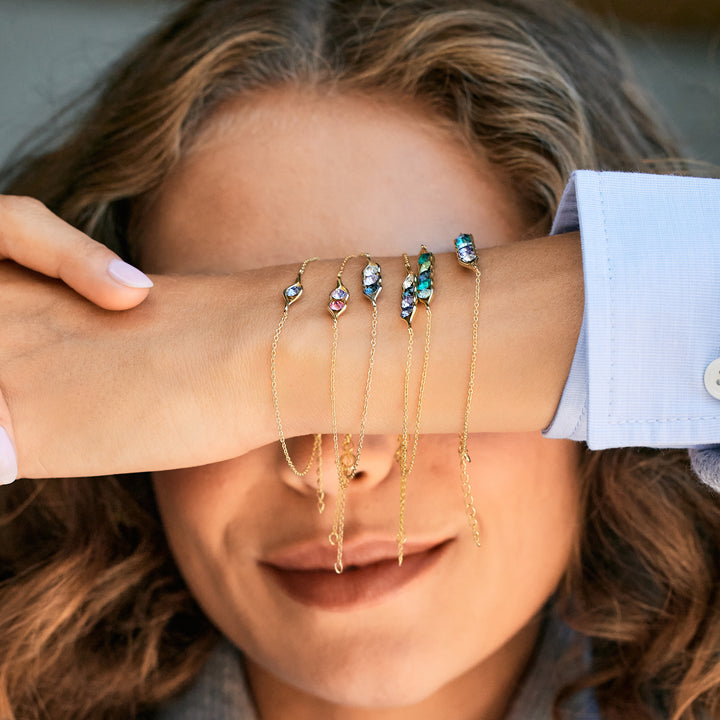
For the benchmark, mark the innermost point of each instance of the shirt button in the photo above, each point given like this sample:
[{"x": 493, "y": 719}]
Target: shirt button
[{"x": 712, "y": 378}]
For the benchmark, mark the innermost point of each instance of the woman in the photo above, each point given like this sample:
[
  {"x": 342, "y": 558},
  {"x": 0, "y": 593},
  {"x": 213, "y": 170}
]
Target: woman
[{"x": 245, "y": 138}]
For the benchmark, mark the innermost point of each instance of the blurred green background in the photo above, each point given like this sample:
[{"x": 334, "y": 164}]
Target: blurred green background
[{"x": 50, "y": 49}]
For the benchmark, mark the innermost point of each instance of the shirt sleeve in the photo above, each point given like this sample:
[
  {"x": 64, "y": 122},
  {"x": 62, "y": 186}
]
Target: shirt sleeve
[{"x": 651, "y": 324}]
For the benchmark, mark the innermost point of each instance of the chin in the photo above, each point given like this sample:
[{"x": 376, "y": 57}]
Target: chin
[{"x": 368, "y": 680}]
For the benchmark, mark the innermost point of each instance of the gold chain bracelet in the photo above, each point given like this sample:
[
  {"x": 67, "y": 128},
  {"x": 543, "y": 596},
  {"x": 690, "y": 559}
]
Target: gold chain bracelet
[
  {"x": 467, "y": 257},
  {"x": 347, "y": 464}
]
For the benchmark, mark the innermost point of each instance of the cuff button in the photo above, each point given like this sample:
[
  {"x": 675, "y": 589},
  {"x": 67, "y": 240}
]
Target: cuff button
[{"x": 712, "y": 378}]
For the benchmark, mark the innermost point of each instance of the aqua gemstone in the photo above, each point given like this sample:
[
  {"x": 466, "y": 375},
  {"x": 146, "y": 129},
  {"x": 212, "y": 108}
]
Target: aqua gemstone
[
  {"x": 425, "y": 285},
  {"x": 425, "y": 294}
]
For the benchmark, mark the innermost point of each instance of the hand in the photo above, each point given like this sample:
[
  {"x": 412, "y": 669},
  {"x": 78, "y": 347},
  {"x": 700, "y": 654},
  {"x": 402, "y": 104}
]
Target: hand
[{"x": 32, "y": 236}]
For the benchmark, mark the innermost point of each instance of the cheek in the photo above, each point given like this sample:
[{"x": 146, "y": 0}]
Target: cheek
[
  {"x": 527, "y": 491},
  {"x": 193, "y": 502},
  {"x": 201, "y": 510}
]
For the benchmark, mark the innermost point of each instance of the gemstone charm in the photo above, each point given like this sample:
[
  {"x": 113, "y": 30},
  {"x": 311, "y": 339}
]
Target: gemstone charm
[
  {"x": 372, "y": 280},
  {"x": 425, "y": 286},
  {"x": 293, "y": 293},
  {"x": 465, "y": 249},
  {"x": 408, "y": 299},
  {"x": 338, "y": 300}
]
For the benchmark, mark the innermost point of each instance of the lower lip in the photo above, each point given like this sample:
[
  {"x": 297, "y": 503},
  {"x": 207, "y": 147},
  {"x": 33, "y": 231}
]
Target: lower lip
[{"x": 354, "y": 586}]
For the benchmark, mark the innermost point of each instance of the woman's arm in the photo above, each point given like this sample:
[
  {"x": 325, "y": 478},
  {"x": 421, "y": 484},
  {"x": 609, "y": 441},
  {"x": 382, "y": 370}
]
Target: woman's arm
[{"x": 184, "y": 378}]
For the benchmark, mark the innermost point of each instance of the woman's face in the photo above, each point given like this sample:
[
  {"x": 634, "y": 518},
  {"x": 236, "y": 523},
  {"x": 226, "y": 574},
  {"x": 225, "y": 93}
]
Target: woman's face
[{"x": 275, "y": 180}]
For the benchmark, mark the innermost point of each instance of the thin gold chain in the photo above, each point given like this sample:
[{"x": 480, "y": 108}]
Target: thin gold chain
[
  {"x": 320, "y": 491},
  {"x": 426, "y": 262},
  {"x": 291, "y": 294},
  {"x": 423, "y": 289},
  {"x": 338, "y": 532},
  {"x": 403, "y": 449},
  {"x": 408, "y": 306},
  {"x": 347, "y": 464},
  {"x": 421, "y": 392},
  {"x": 463, "y": 449}
]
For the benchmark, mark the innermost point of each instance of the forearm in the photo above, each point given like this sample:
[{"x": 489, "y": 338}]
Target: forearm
[{"x": 184, "y": 379}]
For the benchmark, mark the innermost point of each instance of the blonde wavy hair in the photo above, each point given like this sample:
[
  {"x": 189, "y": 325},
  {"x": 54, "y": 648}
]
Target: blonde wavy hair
[{"x": 96, "y": 621}]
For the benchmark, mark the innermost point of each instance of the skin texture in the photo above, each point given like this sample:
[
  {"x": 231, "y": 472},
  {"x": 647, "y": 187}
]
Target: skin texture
[{"x": 312, "y": 174}]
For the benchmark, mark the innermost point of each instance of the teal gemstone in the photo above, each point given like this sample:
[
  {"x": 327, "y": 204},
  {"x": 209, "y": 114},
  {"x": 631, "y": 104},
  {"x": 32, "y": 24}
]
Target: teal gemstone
[
  {"x": 425, "y": 259},
  {"x": 425, "y": 285}
]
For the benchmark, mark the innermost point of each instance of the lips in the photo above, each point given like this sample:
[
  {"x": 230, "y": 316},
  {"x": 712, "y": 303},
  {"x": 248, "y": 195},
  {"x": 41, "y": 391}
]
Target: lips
[{"x": 306, "y": 572}]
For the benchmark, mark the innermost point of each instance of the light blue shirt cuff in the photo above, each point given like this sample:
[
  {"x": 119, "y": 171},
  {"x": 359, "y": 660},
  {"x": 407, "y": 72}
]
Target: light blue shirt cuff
[{"x": 651, "y": 266}]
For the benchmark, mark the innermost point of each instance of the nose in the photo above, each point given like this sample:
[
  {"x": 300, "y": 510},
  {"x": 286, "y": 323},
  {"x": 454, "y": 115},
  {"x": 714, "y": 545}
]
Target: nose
[{"x": 375, "y": 464}]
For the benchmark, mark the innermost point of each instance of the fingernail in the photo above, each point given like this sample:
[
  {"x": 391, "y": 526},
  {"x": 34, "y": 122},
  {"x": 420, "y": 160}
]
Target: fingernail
[
  {"x": 8, "y": 459},
  {"x": 128, "y": 275}
]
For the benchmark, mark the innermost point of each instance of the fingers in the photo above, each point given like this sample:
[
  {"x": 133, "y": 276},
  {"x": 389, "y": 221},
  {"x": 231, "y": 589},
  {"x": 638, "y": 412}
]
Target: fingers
[
  {"x": 34, "y": 237},
  {"x": 8, "y": 456}
]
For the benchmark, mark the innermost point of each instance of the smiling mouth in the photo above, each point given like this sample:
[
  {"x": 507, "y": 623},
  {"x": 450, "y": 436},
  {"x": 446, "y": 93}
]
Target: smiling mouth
[{"x": 361, "y": 583}]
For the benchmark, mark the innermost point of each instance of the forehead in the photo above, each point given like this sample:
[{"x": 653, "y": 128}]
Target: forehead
[{"x": 287, "y": 174}]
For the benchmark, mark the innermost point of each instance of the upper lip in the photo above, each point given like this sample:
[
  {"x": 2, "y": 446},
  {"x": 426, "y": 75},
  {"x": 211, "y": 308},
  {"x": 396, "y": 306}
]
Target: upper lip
[{"x": 315, "y": 556}]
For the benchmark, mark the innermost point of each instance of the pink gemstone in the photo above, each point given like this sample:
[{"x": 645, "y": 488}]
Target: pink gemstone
[{"x": 337, "y": 305}]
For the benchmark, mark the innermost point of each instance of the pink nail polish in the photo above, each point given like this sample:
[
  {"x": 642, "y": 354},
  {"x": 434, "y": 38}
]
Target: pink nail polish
[
  {"x": 8, "y": 459},
  {"x": 128, "y": 275}
]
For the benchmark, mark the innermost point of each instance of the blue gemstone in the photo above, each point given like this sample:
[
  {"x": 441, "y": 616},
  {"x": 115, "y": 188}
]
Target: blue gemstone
[
  {"x": 371, "y": 289},
  {"x": 463, "y": 241},
  {"x": 406, "y": 313},
  {"x": 293, "y": 291},
  {"x": 407, "y": 302},
  {"x": 424, "y": 277},
  {"x": 467, "y": 254}
]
